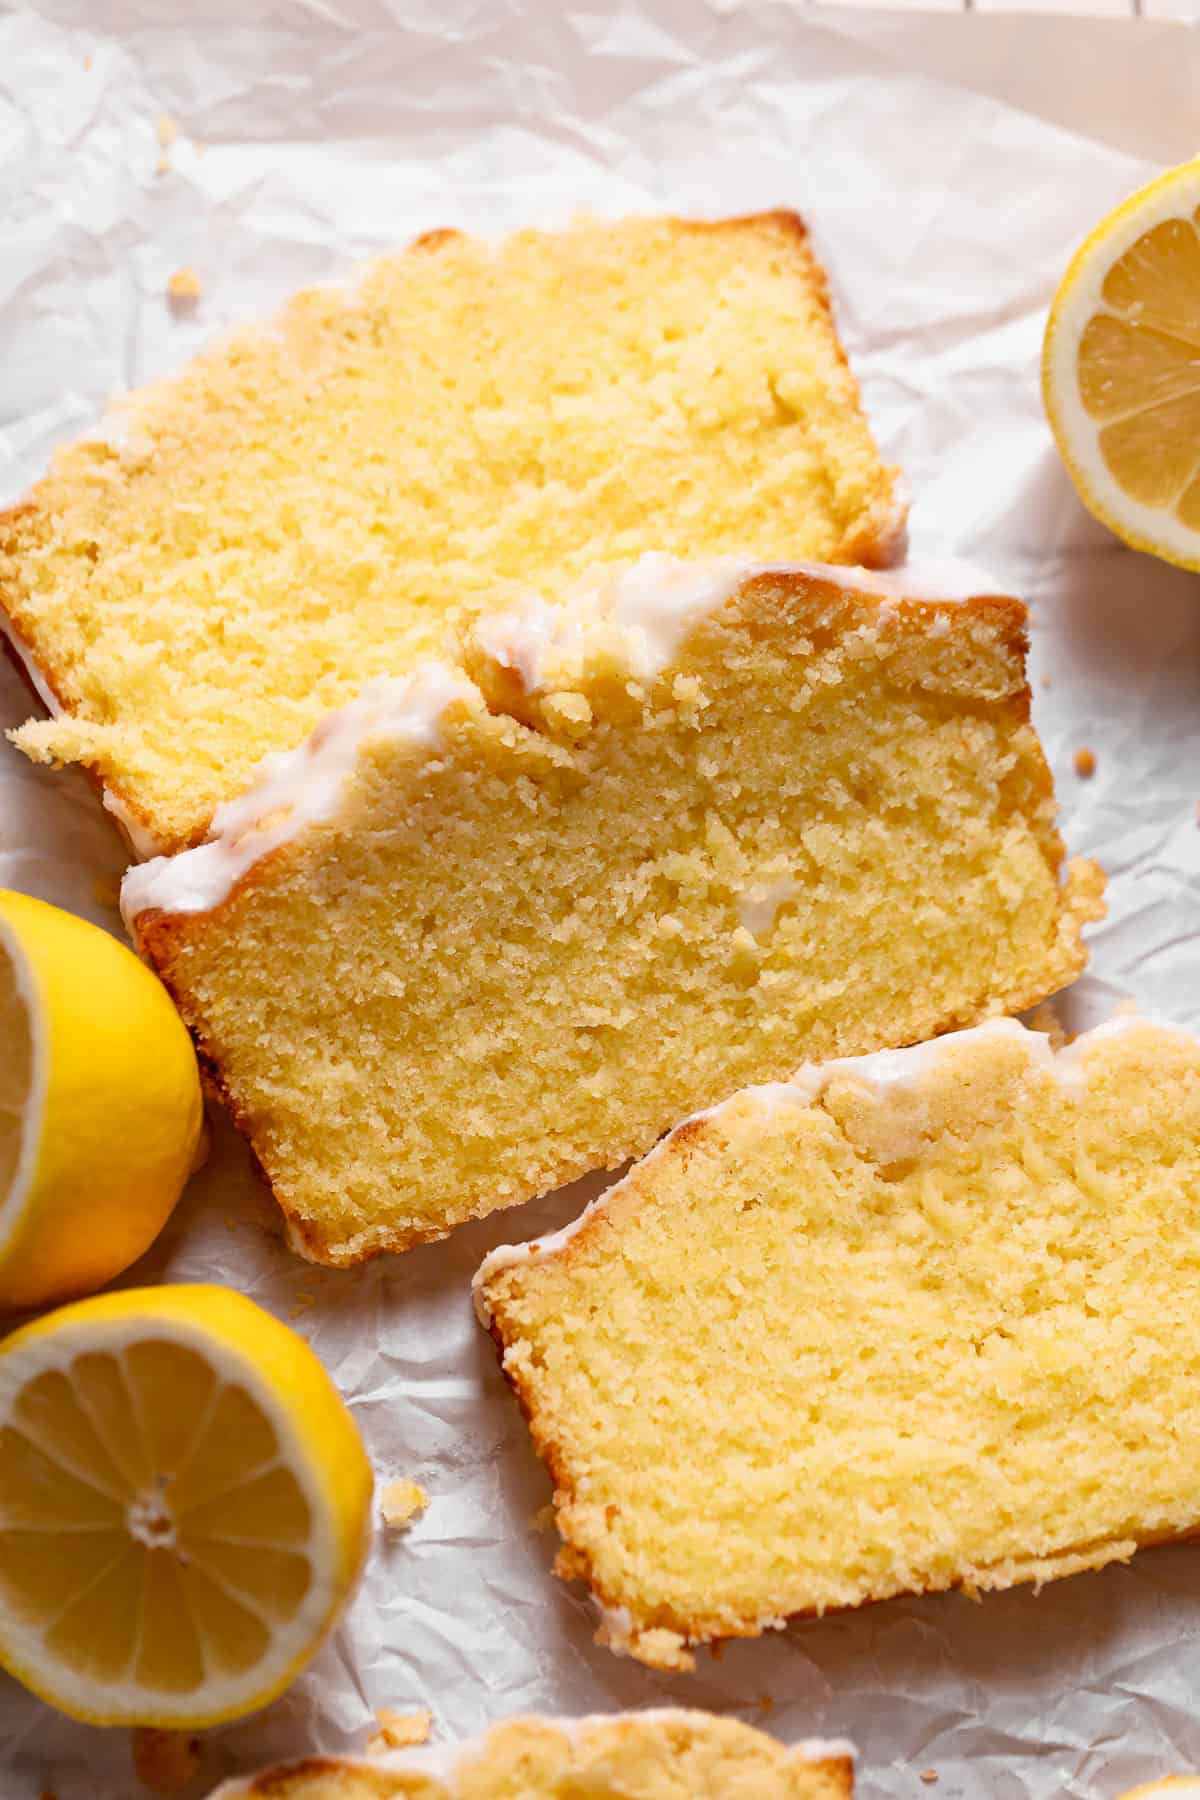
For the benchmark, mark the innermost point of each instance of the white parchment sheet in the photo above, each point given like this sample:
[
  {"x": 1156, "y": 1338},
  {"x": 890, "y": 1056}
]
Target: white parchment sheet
[{"x": 947, "y": 166}]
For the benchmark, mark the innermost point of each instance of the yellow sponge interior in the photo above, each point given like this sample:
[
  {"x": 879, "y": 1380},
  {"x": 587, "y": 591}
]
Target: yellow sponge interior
[{"x": 815, "y": 1354}]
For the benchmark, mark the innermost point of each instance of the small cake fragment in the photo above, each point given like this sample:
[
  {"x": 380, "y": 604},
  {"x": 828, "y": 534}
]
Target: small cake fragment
[
  {"x": 398, "y": 1731},
  {"x": 184, "y": 287},
  {"x": 738, "y": 1427},
  {"x": 1085, "y": 762},
  {"x": 401, "y": 1502},
  {"x": 662, "y": 1753},
  {"x": 164, "y": 1761}
]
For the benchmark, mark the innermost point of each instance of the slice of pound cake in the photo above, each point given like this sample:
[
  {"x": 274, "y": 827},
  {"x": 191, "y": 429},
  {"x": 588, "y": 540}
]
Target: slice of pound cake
[
  {"x": 481, "y": 935},
  {"x": 309, "y": 505},
  {"x": 661, "y": 1754},
  {"x": 906, "y": 1322}
]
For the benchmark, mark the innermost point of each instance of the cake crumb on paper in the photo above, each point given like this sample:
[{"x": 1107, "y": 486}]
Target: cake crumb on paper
[
  {"x": 400, "y": 1502},
  {"x": 543, "y": 1519},
  {"x": 164, "y": 1761},
  {"x": 107, "y": 890},
  {"x": 184, "y": 287},
  {"x": 168, "y": 130},
  {"x": 398, "y": 1731},
  {"x": 1085, "y": 762},
  {"x": 928, "y": 1776}
]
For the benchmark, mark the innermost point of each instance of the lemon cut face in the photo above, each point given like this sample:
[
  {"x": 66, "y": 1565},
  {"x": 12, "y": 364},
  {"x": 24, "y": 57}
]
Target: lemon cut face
[
  {"x": 184, "y": 1506},
  {"x": 1121, "y": 368},
  {"x": 100, "y": 1106}
]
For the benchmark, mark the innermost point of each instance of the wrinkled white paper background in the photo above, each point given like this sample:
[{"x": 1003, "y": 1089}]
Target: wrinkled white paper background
[{"x": 947, "y": 165}]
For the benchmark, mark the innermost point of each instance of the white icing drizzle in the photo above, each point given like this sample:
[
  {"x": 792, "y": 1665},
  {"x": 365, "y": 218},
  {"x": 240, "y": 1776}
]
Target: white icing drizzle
[
  {"x": 882, "y": 1071},
  {"x": 653, "y": 604},
  {"x": 758, "y": 907},
  {"x": 657, "y": 600},
  {"x": 294, "y": 789},
  {"x": 441, "y": 1762}
]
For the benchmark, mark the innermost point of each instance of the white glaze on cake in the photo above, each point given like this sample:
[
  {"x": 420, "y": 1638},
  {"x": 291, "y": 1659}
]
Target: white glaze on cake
[
  {"x": 657, "y": 600},
  {"x": 652, "y": 605},
  {"x": 295, "y": 788},
  {"x": 758, "y": 906},
  {"x": 441, "y": 1762},
  {"x": 882, "y": 1071}
]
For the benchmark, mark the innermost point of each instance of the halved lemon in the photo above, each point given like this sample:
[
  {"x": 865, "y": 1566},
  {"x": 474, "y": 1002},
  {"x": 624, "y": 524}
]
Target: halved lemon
[
  {"x": 184, "y": 1506},
  {"x": 1121, "y": 368},
  {"x": 100, "y": 1106}
]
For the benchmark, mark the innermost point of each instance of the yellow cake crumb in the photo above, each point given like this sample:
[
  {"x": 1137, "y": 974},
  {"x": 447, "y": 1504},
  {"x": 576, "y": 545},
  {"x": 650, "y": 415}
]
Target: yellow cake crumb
[
  {"x": 1085, "y": 762},
  {"x": 184, "y": 286},
  {"x": 164, "y": 1761},
  {"x": 397, "y": 1731},
  {"x": 168, "y": 130},
  {"x": 401, "y": 1502}
]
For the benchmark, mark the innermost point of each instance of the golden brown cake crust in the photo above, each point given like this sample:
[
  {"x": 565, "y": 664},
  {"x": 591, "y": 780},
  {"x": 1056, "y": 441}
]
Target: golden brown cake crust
[
  {"x": 663, "y": 1754},
  {"x": 665, "y": 1636},
  {"x": 874, "y": 537}
]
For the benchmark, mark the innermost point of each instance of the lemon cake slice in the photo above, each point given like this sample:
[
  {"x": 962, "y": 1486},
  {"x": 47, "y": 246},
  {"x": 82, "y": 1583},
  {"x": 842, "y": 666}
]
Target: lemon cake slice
[
  {"x": 484, "y": 933},
  {"x": 659, "y": 1754},
  {"x": 312, "y": 503},
  {"x": 906, "y": 1322}
]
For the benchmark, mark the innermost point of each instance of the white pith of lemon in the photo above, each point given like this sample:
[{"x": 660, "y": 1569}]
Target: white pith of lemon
[
  {"x": 1121, "y": 368},
  {"x": 100, "y": 1105},
  {"x": 184, "y": 1506}
]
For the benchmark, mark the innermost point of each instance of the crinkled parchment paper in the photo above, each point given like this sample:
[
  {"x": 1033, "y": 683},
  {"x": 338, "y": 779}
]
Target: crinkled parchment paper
[{"x": 947, "y": 165}]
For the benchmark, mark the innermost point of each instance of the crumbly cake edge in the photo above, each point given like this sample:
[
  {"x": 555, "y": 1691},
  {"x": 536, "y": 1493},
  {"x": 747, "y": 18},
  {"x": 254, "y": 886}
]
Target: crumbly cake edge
[{"x": 834, "y": 1757}]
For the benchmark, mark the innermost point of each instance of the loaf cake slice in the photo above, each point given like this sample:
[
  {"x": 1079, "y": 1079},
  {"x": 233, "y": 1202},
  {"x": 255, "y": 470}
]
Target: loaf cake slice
[
  {"x": 906, "y": 1322},
  {"x": 660, "y": 1754},
  {"x": 311, "y": 504},
  {"x": 485, "y": 933}
]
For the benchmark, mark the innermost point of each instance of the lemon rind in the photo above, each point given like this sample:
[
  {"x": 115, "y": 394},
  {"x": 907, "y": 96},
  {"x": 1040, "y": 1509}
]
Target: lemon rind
[
  {"x": 293, "y": 1644},
  {"x": 1173, "y": 195},
  {"x": 12, "y": 1204}
]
